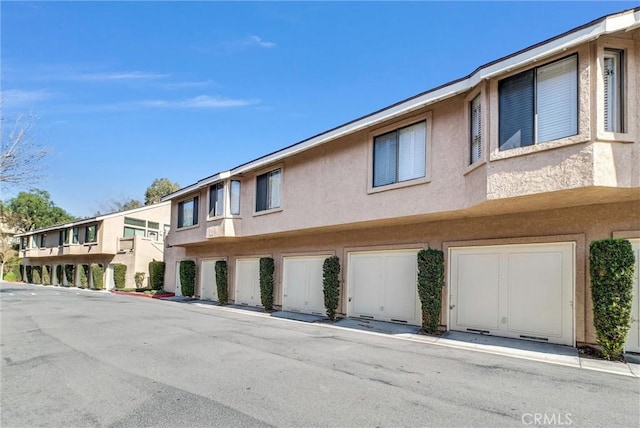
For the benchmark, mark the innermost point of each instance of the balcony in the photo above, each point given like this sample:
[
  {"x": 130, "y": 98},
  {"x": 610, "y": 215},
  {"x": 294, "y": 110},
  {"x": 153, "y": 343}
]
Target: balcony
[{"x": 223, "y": 228}]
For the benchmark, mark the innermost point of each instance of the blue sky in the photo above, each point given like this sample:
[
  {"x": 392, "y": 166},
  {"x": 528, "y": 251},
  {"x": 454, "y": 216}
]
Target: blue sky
[{"x": 127, "y": 92}]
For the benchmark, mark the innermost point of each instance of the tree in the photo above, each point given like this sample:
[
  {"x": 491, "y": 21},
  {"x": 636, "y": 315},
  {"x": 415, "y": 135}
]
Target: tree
[
  {"x": 115, "y": 206},
  {"x": 8, "y": 250},
  {"x": 159, "y": 188},
  {"x": 34, "y": 210},
  {"x": 20, "y": 155}
]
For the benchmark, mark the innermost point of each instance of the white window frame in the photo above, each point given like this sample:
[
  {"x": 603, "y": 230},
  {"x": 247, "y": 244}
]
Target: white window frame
[
  {"x": 273, "y": 204},
  {"x": 195, "y": 218},
  {"x": 536, "y": 127},
  {"x": 613, "y": 90}
]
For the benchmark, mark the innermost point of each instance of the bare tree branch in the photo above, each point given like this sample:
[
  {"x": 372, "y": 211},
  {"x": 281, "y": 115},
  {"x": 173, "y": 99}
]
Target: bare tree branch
[{"x": 20, "y": 156}]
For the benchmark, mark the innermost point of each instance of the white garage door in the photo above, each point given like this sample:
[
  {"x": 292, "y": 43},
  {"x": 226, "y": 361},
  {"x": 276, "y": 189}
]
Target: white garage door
[
  {"x": 302, "y": 285},
  {"x": 633, "y": 340},
  {"x": 208, "y": 288},
  {"x": 382, "y": 285},
  {"x": 248, "y": 282},
  {"x": 520, "y": 291}
]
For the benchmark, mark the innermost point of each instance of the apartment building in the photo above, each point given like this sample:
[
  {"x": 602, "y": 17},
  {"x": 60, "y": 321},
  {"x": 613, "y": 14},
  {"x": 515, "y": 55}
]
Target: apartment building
[
  {"x": 64, "y": 253},
  {"x": 512, "y": 171}
]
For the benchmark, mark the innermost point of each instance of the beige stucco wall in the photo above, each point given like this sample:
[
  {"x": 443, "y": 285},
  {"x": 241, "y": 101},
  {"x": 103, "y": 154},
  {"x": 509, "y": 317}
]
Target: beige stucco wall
[{"x": 579, "y": 224}]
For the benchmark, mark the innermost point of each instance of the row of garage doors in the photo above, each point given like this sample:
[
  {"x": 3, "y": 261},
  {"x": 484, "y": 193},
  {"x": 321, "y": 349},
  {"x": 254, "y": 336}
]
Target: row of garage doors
[{"x": 519, "y": 291}]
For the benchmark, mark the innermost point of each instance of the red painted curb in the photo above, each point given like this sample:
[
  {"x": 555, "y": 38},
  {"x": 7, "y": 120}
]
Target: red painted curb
[{"x": 135, "y": 293}]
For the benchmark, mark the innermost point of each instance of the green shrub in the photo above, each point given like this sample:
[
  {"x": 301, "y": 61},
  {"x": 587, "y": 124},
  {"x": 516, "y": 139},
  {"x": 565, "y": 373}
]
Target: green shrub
[
  {"x": 267, "y": 266},
  {"x": 119, "y": 275},
  {"x": 70, "y": 273},
  {"x": 17, "y": 271},
  {"x": 331, "y": 285},
  {"x": 59, "y": 274},
  {"x": 156, "y": 275},
  {"x": 28, "y": 271},
  {"x": 611, "y": 266},
  {"x": 430, "y": 283},
  {"x": 138, "y": 278},
  {"x": 46, "y": 275},
  {"x": 97, "y": 272},
  {"x": 188, "y": 277},
  {"x": 84, "y": 276},
  {"x": 222, "y": 282},
  {"x": 10, "y": 276},
  {"x": 37, "y": 274}
]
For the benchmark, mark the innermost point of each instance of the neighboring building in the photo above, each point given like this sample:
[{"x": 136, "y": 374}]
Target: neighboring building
[
  {"x": 512, "y": 171},
  {"x": 133, "y": 238}
]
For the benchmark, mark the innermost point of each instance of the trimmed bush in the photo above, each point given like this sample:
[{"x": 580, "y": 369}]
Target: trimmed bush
[
  {"x": 17, "y": 271},
  {"x": 188, "y": 277},
  {"x": 69, "y": 273},
  {"x": 59, "y": 274},
  {"x": 331, "y": 285},
  {"x": 28, "y": 271},
  {"x": 138, "y": 278},
  {"x": 156, "y": 275},
  {"x": 611, "y": 266},
  {"x": 97, "y": 272},
  {"x": 84, "y": 276},
  {"x": 267, "y": 266},
  {"x": 430, "y": 283},
  {"x": 119, "y": 275},
  {"x": 10, "y": 276},
  {"x": 46, "y": 275},
  {"x": 222, "y": 283},
  {"x": 37, "y": 274}
]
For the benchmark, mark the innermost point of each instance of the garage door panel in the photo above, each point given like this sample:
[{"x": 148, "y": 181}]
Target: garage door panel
[
  {"x": 208, "y": 289},
  {"x": 535, "y": 293},
  {"x": 478, "y": 293},
  {"x": 400, "y": 290},
  {"x": 315, "y": 293},
  {"x": 366, "y": 285},
  {"x": 521, "y": 291},
  {"x": 248, "y": 282},
  {"x": 294, "y": 278},
  {"x": 302, "y": 284}
]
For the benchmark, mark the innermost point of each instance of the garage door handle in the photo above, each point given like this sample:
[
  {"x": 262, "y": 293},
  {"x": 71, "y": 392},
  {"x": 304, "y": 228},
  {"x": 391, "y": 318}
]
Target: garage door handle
[
  {"x": 349, "y": 298},
  {"x": 452, "y": 306}
]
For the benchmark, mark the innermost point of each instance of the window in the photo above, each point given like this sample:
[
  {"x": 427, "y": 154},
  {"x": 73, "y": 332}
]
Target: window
[
  {"x": 234, "y": 196},
  {"x": 133, "y": 231},
  {"x": 153, "y": 234},
  {"x": 475, "y": 133},
  {"x": 43, "y": 240},
  {"x": 268, "y": 190},
  {"x": 90, "y": 234},
  {"x": 399, "y": 155},
  {"x": 75, "y": 235},
  {"x": 34, "y": 241},
  {"x": 216, "y": 200},
  {"x": 153, "y": 225},
  {"x": 188, "y": 212},
  {"x": 135, "y": 222},
  {"x": 613, "y": 106},
  {"x": 62, "y": 237},
  {"x": 539, "y": 105}
]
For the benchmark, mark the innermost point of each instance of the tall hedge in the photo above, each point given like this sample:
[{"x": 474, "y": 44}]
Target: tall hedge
[
  {"x": 28, "y": 271},
  {"x": 59, "y": 274},
  {"x": 119, "y": 275},
  {"x": 267, "y": 266},
  {"x": 222, "y": 282},
  {"x": 17, "y": 271},
  {"x": 156, "y": 275},
  {"x": 188, "y": 277},
  {"x": 611, "y": 266},
  {"x": 331, "y": 285},
  {"x": 430, "y": 283},
  {"x": 46, "y": 275},
  {"x": 37, "y": 274},
  {"x": 84, "y": 276},
  {"x": 69, "y": 273},
  {"x": 97, "y": 272}
]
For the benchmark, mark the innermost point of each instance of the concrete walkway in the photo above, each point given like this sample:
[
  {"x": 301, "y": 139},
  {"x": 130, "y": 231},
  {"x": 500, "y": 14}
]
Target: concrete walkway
[{"x": 523, "y": 349}]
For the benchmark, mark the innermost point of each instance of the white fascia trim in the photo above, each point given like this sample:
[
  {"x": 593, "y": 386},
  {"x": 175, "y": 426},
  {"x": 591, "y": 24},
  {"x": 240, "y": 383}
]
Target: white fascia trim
[{"x": 614, "y": 23}]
